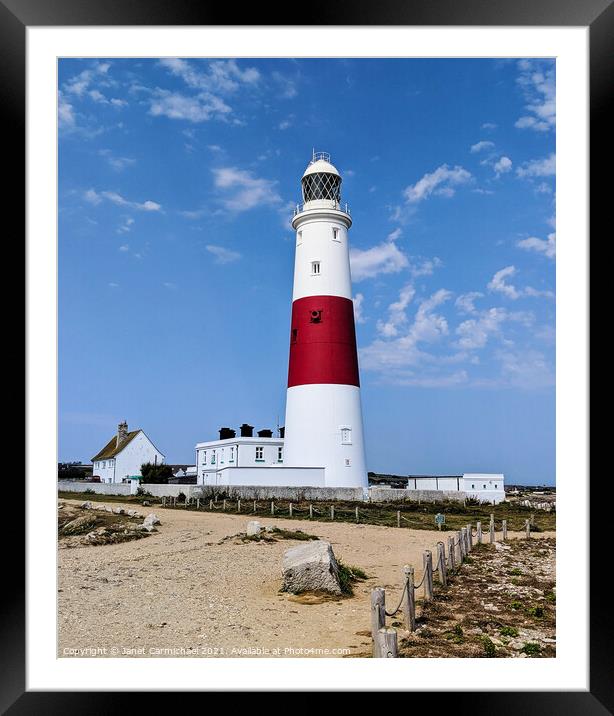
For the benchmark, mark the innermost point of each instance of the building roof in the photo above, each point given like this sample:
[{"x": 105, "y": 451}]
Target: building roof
[{"x": 111, "y": 449}]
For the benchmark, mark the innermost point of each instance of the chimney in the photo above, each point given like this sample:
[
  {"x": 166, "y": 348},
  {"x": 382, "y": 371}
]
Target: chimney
[
  {"x": 247, "y": 431},
  {"x": 265, "y": 433},
  {"x": 282, "y": 431},
  {"x": 227, "y": 433},
  {"x": 122, "y": 433}
]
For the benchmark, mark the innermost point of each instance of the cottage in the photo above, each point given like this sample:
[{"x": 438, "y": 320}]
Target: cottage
[{"x": 121, "y": 458}]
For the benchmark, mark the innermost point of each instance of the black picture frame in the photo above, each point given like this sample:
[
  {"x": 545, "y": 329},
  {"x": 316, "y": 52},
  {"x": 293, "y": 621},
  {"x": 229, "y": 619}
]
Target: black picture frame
[{"x": 17, "y": 15}]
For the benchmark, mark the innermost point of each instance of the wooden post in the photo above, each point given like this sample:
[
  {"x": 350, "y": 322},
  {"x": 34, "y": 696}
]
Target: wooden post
[
  {"x": 357, "y": 514},
  {"x": 290, "y": 509},
  {"x": 441, "y": 559},
  {"x": 272, "y": 507},
  {"x": 451, "y": 553},
  {"x": 398, "y": 518},
  {"x": 174, "y": 502},
  {"x": 224, "y": 506},
  {"x": 210, "y": 504},
  {"x": 410, "y": 599},
  {"x": 478, "y": 528},
  {"x": 527, "y": 529},
  {"x": 459, "y": 540},
  {"x": 492, "y": 532},
  {"x": 378, "y": 614},
  {"x": 387, "y": 647},
  {"x": 163, "y": 500},
  {"x": 198, "y": 503},
  {"x": 469, "y": 538},
  {"x": 238, "y": 505},
  {"x": 504, "y": 528},
  {"x": 310, "y": 511},
  {"x": 428, "y": 575},
  {"x": 332, "y": 512},
  {"x": 254, "y": 506}
]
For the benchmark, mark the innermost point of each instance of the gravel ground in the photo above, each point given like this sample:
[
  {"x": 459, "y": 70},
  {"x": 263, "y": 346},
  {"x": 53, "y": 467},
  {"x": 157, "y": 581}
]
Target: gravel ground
[{"x": 180, "y": 593}]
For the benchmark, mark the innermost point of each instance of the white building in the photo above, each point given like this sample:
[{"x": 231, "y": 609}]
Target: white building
[
  {"x": 121, "y": 458},
  {"x": 250, "y": 460},
  {"x": 484, "y": 486}
]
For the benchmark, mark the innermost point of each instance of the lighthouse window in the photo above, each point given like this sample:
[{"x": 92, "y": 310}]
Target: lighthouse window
[
  {"x": 315, "y": 268},
  {"x": 346, "y": 436},
  {"x": 336, "y": 234},
  {"x": 294, "y": 335},
  {"x": 299, "y": 238}
]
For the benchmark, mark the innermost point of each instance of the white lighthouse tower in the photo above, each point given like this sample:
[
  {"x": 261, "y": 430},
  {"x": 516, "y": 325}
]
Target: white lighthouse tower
[{"x": 323, "y": 425}]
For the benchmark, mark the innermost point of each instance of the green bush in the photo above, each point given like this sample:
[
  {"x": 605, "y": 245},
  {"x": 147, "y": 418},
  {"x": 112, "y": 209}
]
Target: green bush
[
  {"x": 531, "y": 649},
  {"x": 509, "y": 631},
  {"x": 489, "y": 648}
]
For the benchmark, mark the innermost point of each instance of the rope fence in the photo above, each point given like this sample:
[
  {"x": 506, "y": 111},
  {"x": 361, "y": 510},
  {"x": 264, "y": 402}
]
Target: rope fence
[{"x": 385, "y": 639}]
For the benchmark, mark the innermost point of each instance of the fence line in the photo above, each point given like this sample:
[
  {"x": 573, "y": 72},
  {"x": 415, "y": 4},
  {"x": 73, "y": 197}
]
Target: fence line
[{"x": 385, "y": 640}]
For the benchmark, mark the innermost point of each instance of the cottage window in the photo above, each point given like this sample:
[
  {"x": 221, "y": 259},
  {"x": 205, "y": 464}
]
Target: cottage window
[
  {"x": 232, "y": 455},
  {"x": 204, "y": 457},
  {"x": 104, "y": 464},
  {"x": 280, "y": 454},
  {"x": 213, "y": 457},
  {"x": 222, "y": 457},
  {"x": 315, "y": 268},
  {"x": 484, "y": 486},
  {"x": 259, "y": 453}
]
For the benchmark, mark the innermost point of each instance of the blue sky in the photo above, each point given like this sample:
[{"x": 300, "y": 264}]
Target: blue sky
[{"x": 176, "y": 185}]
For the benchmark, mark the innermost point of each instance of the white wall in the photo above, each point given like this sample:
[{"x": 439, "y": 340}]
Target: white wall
[
  {"x": 244, "y": 455},
  {"x": 105, "y": 470},
  {"x": 315, "y": 415},
  {"x": 485, "y": 486},
  {"x": 266, "y": 476},
  {"x": 138, "y": 451}
]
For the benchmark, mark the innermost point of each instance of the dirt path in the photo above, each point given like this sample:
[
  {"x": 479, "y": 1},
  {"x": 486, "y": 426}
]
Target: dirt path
[{"x": 180, "y": 593}]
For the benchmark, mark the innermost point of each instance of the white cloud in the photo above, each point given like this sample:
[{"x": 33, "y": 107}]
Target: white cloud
[
  {"x": 538, "y": 85},
  {"x": 396, "y": 313},
  {"x": 474, "y": 333},
  {"x": 358, "y": 314},
  {"x": 541, "y": 246},
  {"x": 80, "y": 84},
  {"x": 485, "y": 144},
  {"x": 124, "y": 247},
  {"x": 126, "y": 226},
  {"x": 528, "y": 369},
  {"x": 198, "y": 108},
  {"x": 499, "y": 283},
  {"x": 383, "y": 258},
  {"x": 223, "y": 255},
  {"x": 425, "y": 267},
  {"x": 286, "y": 123},
  {"x": 503, "y": 165},
  {"x": 224, "y": 76},
  {"x": 287, "y": 86},
  {"x": 95, "y": 197},
  {"x": 66, "y": 113},
  {"x": 441, "y": 181},
  {"x": 538, "y": 167},
  {"x": 248, "y": 191},
  {"x": 489, "y": 125},
  {"x": 116, "y": 163},
  {"x": 465, "y": 302}
]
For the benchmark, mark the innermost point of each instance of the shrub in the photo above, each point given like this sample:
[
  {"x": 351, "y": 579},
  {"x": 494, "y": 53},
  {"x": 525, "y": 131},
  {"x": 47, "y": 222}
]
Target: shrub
[
  {"x": 489, "y": 648},
  {"x": 516, "y": 572},
  {"x": 531, "y": 648},
  {"x": 509, "y": 631},
  {"x": 536, "y": 612},
  {"x": 516, "y": 604},
  {"x": 89, "y": 491}
]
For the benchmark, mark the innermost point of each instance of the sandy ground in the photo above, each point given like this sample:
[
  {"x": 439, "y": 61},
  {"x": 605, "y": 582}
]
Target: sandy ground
[{"x": 179, "y": 593}]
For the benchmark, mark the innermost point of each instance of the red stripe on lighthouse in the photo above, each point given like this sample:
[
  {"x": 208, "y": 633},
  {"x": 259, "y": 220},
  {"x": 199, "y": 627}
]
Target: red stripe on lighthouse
[{"x": 323, "y": 342}]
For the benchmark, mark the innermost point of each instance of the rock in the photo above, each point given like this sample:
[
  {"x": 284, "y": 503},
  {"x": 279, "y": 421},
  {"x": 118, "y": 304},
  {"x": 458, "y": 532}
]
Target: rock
[
  {"x": 79, "y": 525},
  {"x": 145, "y": 503},
  {"x": 151, "y": 520},
  {"x": 86, "y": 505},
  {"x": 132, "y": 513},
  {"x": 311, "y": 567},
  {"x": 501, "y": 547},
  {"x": 253, "y": 528},
  {"x": 146, "y": 528},
  {"x": 118, "y": 510},
  {"x": 108, "y": 508}
]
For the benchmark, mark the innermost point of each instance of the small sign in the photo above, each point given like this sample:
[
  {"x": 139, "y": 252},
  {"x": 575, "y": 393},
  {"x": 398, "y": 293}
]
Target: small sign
[{"x": 440, "y": 520}]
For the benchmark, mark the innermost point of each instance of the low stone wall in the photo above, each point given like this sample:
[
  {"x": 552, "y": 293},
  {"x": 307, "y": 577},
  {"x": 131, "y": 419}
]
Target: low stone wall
[
  {"x": 259, "y": 492},
  {"x": 100, "y": 488},
  {"x": 391, "y": 494}
]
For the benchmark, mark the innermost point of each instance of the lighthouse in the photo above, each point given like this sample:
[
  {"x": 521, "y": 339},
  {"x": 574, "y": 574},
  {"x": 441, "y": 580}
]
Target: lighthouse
[{"x": 323, "y": 426}]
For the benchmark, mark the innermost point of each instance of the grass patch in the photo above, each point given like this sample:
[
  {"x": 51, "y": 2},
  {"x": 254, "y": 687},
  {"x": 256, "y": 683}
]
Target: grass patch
[
  {"x": 531, "y": 649},
  {"x": 349, "y": 574},
  {"x": 292, "y": 534},
  {"x": 516, "y": 572},
  {"x": 537, "y": 612},
  {"x": 509, "y": 631},
  {"x": 490, "y": 650},
  {"x": 516, "y": 605}
]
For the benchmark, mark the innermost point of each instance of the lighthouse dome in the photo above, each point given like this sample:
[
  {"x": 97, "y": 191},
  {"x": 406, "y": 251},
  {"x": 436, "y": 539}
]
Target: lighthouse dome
[{"x": 321, "y": 180}]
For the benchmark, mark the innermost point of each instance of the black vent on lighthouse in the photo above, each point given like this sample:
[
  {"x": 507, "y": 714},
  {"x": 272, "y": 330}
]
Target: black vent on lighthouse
[
  {"x": 227, "y": 433},
  {"x": 265, "y": 433},
  {"x": 247, "y": 431}
]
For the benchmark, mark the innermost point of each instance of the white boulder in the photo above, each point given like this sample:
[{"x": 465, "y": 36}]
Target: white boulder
[
  {"x": 253, "y": 528},
  {"x": 311, "y": 567},
  {"x": 151, "y": 520}
]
